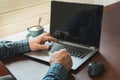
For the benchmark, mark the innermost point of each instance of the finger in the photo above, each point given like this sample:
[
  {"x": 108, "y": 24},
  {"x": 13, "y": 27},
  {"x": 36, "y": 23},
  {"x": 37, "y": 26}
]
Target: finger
[
  {"x": 56, "y": 54},
  {"x": 49, "y": 38},
  {"x": 46, "y": 34},
  {"x": 42, "y": 47},
  {"x": 42, "y": 35},
  {"x": 63, "y": 50}
]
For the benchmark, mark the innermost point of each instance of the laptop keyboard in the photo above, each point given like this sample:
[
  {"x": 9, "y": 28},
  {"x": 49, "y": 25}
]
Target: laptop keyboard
[{"x": 77, "y": 51}]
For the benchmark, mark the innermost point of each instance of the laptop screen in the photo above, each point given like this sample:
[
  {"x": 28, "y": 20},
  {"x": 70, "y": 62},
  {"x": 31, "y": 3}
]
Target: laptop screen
[{"x": 76, "y": 22}]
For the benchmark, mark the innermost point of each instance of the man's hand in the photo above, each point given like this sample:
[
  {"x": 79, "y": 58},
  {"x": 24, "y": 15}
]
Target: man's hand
[
  {"x": 38, "y": 42},
  {"x": 62, "y": 57}
]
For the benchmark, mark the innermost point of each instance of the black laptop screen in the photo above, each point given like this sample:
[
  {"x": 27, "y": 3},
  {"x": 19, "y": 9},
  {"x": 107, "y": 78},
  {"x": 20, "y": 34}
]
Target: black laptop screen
[{"x": 75, "y": 22}]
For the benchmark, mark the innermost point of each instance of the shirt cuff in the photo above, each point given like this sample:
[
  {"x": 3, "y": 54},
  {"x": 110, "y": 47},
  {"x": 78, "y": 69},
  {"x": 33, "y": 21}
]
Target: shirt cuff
[
  {"x": 23, "y": 46},
  {"x": 56, "y": 72}
]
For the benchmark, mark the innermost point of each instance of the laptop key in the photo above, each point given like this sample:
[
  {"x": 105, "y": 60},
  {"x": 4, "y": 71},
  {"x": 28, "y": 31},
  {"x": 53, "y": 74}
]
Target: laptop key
[{"x": 77, "y": 51}]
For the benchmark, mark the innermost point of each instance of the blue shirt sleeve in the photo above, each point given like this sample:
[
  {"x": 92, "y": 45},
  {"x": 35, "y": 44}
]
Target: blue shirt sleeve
[
  {"x": 56, "y": 72},
  {"x": 9, "y": 48}
]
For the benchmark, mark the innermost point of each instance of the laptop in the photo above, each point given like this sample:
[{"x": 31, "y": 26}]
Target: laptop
[{"x": 77, "y": 26}]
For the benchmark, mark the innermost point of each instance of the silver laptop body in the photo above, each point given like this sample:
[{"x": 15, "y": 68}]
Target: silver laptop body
[{"x": 76, "y": 25}]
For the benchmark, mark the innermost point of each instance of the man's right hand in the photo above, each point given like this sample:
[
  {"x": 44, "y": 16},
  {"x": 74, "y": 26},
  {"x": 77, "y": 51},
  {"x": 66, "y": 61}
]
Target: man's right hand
[
  {"x": 38, "y": 42},
  {"x": 62, "y": 57}
]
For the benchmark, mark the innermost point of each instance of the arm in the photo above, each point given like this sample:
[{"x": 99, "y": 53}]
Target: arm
[
  {"x": 61, "y": 64},
  {"x": 56, "y": 72},
  {"x": 9, "y": 48}
]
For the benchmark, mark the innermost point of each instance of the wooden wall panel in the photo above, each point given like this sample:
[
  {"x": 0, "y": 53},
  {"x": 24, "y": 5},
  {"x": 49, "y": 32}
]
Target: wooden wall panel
[
  {"x": 80, "y": 1},
  {"x": 13, "y": 5},
  {"x": 26, "y": 13},
  {"x": 22, "y": 25},
  {"x": 105, "y": 2},
  {"x": 17, "y": 21},
  {"x": 17, "y": 15}
]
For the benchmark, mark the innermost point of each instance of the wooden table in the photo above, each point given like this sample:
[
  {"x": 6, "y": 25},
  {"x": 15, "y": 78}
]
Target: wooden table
[{"x": 25, "y": 68}]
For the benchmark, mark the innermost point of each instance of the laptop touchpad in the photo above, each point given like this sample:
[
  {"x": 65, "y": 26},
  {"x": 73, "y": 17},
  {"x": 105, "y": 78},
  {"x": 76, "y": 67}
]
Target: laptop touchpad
[{"x": 55, "y": 47}]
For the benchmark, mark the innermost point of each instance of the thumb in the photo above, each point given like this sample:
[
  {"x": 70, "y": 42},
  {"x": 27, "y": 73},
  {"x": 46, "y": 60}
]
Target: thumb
[{"x": 42, "y": 47}]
